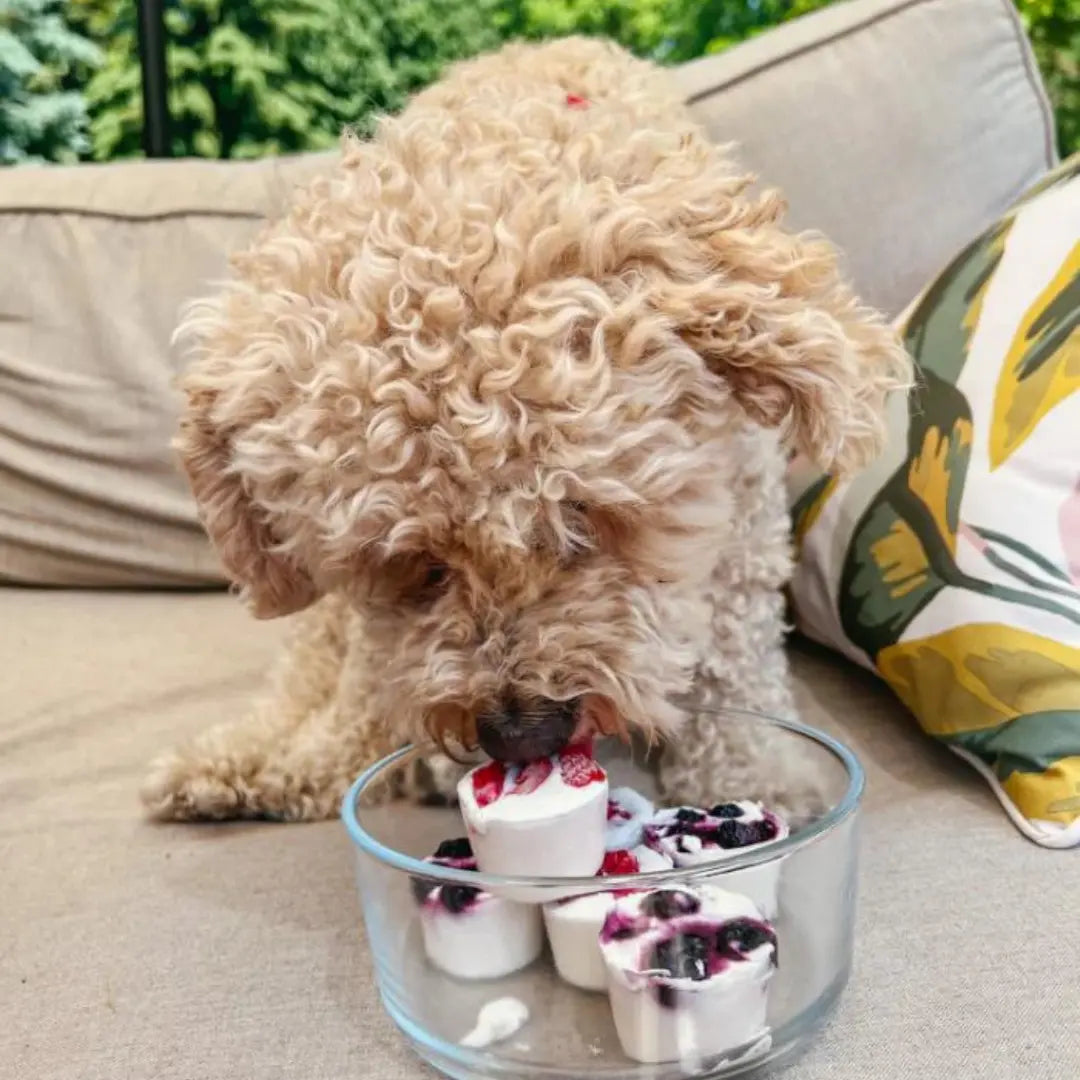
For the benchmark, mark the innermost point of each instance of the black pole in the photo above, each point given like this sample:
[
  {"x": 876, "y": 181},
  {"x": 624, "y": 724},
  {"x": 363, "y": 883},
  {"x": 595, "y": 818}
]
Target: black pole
[{"x": 155, "y": 78}]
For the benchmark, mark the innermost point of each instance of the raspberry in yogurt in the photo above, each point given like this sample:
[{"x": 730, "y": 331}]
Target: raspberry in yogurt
[
  {"x": 573, "y": 925},
  {"x": 546, "y": 818}
]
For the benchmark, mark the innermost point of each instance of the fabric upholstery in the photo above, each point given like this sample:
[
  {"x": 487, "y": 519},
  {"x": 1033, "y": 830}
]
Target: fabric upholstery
[
  {"x": 97, "y": 262},
  {"x": 952, "y": 565},
  {"x": 898, "y": 127},
  {"x": 129, "y": 950}
]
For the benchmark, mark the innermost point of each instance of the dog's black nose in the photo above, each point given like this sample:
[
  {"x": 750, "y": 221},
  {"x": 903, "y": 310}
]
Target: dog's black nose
[{"x": 520, "y": 731}]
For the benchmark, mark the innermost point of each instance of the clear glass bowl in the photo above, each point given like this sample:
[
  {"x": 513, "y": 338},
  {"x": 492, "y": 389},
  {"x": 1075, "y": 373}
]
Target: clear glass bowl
[{"x": 569, "y": 1034}]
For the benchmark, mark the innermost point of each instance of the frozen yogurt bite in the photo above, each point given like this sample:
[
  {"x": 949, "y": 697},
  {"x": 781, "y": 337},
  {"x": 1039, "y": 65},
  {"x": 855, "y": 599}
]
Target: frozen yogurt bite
[
  {"x": 547, "y": 818},
  {"x": 469, "y": 933},
  {"x": 688, "y": 972},
  {"x": 691, "y": 836},
  {"x": 573, "y": 925}
]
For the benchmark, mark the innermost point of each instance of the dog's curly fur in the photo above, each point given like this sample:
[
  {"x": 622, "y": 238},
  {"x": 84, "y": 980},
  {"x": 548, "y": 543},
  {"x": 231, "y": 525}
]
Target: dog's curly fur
[{"x": 505, "y": 404}]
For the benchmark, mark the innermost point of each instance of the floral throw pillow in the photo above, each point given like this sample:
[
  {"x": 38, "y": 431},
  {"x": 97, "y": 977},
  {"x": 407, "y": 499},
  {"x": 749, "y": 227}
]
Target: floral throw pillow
[{"x": 952, "y": 566}]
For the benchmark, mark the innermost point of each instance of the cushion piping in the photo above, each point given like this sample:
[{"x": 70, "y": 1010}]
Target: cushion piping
[
  {"x": 882, "y": 16},
  {"x": 1027, "y": 56},
  {"x": 114, "y": 215},
  {"x": 1024, "y": 46},
  {"x": 803, "y": 50}
]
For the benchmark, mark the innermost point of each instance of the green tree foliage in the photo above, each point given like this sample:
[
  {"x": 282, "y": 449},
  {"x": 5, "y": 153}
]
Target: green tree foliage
[
  {"x": 251, "y": 77},
  {"x": 39, "y": 117},
  {"x": 272, "y": 76},
  {"x": 644, "y": 26},
  {"x": 1054, "y": 29}
]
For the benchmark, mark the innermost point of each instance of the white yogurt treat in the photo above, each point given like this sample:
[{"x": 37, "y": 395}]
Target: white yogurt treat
[
  {"x": 544, "y": 819},
  {"x": 470, "y": 934},
  {"x": 496, "y": 1021},
  {"x": 688, "y": 972},
  {"x": 628, "y": 812},
  {"x": 692, "y": 836},
  {"x": 573, "y": 925}
]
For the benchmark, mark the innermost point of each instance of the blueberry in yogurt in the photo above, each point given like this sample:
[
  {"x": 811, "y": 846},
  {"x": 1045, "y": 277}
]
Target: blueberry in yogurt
[
  {"x": 670, "y": 903},
  {"x": 688, "y": 972},
  {"x": 457, "y": 898},
  {"x": 692, "y": 837},
  {"x": 684, "y": 956},
  {"x": 470, "y": 933}
]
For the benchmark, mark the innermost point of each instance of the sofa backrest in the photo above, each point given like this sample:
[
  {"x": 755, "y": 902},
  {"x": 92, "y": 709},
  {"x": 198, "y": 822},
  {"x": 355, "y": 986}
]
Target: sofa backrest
[
  {"x": 96, "y": 262},
  {"x": 898, "y": 127}
]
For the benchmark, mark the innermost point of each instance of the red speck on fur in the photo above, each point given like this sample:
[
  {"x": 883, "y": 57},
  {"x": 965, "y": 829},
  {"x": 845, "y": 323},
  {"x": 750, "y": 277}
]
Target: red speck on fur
[
  {"x": 619, "y": 862},
  {"x": 531, "y": 777},
  {"x": 487, "y": 782},
  {"x": 578, "y": 768},
  {"x": 576, "y": 101},
  {"x": 615, "y": 812}
]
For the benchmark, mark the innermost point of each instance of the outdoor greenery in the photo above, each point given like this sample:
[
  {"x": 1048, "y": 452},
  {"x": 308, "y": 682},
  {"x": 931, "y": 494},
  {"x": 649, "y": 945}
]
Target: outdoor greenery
[
  {"x": 1054, "y": 28},
  {"x": 40, "y": 116},
  {"x": 254, "y": 77}
]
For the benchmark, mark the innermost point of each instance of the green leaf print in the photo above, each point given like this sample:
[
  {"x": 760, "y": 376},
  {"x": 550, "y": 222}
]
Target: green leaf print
[
  {"x": 938, "y": 332},
  {"x": 902, "y": 551},
  {"x": 1026, "y": 743}
]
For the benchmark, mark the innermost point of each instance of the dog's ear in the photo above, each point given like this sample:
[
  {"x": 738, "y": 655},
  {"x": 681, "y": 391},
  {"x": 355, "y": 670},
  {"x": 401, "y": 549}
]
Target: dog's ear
[
  {"x": 270, "y": 583},
  {"x": 768, "y": 312}
]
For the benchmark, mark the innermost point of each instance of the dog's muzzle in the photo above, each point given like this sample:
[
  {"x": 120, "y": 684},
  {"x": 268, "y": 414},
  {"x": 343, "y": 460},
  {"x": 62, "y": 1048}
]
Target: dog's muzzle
[{"x": 520, "y": 731}]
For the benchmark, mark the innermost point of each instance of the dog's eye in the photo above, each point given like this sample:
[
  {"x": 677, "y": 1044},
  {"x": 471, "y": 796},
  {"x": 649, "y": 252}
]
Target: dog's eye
[
  {"x": 435, "y": 577},
  {"x": 431, "y": 583}
]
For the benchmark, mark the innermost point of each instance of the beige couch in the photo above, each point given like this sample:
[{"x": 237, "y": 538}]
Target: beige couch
[{"x": 129, "y": 950}]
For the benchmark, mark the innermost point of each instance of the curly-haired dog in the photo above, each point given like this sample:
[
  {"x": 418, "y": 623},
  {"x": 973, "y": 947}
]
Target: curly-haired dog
[{"x": 505, "y": 405}]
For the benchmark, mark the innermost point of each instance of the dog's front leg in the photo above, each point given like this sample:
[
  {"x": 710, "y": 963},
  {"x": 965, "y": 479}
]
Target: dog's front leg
[
  {"x": 714, "y": 756},
  {"x": 743, "y": 666},
  {"x": 294, "y": 754}
]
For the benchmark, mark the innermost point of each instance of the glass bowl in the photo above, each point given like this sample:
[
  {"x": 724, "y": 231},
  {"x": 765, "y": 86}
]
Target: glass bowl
[{"x": 569, "y": 1033}]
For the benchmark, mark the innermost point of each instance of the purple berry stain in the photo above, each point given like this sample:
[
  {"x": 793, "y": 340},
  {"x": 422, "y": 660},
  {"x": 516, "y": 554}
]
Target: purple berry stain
[
  {"x": 699, "y": 953},
  {"x": 460, "y": 848},
  {"x": 421, "y": 888},
  {"x": 457, "y": 898},
  {"x": 670, "y": 903}
]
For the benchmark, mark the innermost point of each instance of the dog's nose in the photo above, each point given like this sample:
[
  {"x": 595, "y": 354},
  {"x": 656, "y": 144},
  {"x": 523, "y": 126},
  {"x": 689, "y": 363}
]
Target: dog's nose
[{"x": 520, "y": 731}]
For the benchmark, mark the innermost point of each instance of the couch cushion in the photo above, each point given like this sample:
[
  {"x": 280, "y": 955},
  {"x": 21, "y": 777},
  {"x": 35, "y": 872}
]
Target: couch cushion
[
  {"x": 98, "y": 261},
  {"x": 952, "y": 564},
  {"x": 136, "y": 950},
  {"x": 899, "y": 128}
]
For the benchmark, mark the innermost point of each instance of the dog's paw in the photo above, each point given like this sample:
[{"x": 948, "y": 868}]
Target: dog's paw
[
  {"x": 187, "y": 786},
  {"x": 182, "y": 787}
]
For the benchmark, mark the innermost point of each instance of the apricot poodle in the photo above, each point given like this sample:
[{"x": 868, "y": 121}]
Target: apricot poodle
[{"x": 500, "y": 413}]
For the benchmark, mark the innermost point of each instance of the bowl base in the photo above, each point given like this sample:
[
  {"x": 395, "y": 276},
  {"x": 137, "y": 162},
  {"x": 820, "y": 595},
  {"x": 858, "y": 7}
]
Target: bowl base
[{"x": 778, "y": 1050}]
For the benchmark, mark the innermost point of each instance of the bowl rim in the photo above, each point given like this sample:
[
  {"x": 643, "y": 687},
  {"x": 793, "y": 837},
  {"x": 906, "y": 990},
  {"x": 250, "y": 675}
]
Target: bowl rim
[{"x": 757, "y": 855}]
